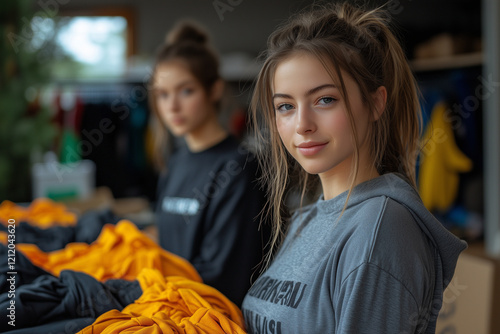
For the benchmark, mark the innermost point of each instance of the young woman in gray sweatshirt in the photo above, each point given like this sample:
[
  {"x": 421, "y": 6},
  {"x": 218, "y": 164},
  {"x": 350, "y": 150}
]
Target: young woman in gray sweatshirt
[{"x": 337, "y": 102}]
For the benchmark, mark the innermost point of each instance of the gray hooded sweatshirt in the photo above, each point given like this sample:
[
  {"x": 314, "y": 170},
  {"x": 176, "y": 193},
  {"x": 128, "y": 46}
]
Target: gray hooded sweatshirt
[{"x": 380, "y": 267}]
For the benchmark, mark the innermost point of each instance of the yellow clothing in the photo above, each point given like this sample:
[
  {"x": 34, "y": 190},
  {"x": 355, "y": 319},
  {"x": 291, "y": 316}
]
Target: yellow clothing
[
  {"x": 441, "y": 163},
  {"x": 172, "y": 305},
  {"x": 42, "y": 212},
  {"x": 120, "y": 251},
  {"x": 174, "y": 299}
]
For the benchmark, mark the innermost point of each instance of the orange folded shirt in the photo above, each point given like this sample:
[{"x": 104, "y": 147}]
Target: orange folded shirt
[
  {"x": 120, "y": 252},
  {"x": 172, "y": 305},
  {"x": 42, "y": 212}
]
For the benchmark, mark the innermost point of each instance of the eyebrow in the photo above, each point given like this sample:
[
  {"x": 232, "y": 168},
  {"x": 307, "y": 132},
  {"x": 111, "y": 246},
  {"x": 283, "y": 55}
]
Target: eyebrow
[
  {"x": 309, "y": 92},
  {"x": 185, "y": 83},
  {"x": 179, "y": 85}
]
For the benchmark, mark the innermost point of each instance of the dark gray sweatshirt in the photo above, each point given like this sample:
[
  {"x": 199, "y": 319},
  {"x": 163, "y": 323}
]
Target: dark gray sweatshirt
[{"x": 379, "y": 268}]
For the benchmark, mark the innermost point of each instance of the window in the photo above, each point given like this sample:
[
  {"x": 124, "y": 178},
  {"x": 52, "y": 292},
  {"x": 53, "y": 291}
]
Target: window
[{"x": 85, "y": 45}]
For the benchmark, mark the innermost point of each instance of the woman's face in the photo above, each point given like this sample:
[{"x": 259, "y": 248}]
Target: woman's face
[
  {"x": 311, "y": 116},
  {"x": 182, "y": 102}
]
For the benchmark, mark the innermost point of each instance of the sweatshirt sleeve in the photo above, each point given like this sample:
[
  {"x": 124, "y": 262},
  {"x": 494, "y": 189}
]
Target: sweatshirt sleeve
[
  {"x": 371, "y": 300},
  {"x": 232, "y": 244}
]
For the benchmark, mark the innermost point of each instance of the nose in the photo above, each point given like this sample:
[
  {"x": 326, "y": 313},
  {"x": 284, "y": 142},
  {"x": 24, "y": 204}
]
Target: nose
[
  {"x": 305, "y": 122},
  {"x": 173, "y": 103}
]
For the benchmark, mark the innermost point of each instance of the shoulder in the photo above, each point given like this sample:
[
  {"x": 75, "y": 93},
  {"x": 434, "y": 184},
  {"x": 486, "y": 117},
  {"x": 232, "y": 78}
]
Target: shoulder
[
  {"x": 231, "y": 151},
  {"x": 180, "y": 154},
  {"x": 387, "y": 227},
  {"x": 400, "y": 246},
  {"x": 386, "y": 236},
  {"x": 397, "y": 234},
  {"x": 237, "y": 160}
]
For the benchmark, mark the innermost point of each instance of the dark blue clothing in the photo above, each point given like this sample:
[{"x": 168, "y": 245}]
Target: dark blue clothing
[
  {"x": 207, "y": 212},
  {"x": 86, "y": 230},
  {"x": 56, "y": 303}
]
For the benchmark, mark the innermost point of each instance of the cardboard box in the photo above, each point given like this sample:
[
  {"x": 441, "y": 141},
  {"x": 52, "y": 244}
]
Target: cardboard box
[
  {"x": 471, "y": 303},
  {"x": 136, "y": 209},
  {"x": 101, "y": 198}
]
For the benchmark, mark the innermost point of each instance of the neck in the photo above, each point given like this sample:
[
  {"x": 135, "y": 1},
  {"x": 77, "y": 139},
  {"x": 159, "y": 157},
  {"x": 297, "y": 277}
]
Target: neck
[
  {"x": 205, "y": 136},
  {"x": 338, "y": 180}
]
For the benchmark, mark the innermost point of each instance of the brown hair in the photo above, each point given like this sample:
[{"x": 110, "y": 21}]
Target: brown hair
[
  {"x": 359, "y": 43},
  {"x": 189, "y": 43}
]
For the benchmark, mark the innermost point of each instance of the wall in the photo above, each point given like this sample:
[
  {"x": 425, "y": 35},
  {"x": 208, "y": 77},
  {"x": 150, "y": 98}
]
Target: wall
[{"x": 243, "y": 25}]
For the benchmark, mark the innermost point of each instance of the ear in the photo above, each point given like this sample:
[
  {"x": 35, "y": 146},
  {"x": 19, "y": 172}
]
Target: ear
[
  {"x": 380, "y": 99},
  {"x": 217, "y": 90}
]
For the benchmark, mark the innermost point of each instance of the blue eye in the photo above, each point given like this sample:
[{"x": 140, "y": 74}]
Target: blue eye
[
  {"x": 161, "y": 95},
  {"x": 284, "y": 107},
  {"x": 186, "y": 91},
  {"x": 326, "y": 100}
]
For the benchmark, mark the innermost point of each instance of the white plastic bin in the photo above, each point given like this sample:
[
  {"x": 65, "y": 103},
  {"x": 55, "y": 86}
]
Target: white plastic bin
[{"x": 63, "y": 181}]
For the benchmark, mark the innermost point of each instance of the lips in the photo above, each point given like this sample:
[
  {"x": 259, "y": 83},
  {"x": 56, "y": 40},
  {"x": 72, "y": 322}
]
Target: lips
[
  {"x": 311, "y": 147},
  {"x": 177, "y": 121}
]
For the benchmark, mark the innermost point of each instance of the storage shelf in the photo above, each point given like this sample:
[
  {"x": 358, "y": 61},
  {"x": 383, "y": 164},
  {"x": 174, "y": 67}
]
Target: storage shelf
[{"x": 445, "y": 63}]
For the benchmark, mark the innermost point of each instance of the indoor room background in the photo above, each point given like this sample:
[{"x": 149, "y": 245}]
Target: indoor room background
[{"x": 75, "y": 119}]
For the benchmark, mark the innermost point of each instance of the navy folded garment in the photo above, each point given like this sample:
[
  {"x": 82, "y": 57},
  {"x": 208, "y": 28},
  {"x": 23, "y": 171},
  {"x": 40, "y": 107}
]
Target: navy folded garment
[
  {"x": 87, "y": 229},
  {"x": 25, "y": 271},
  {"x": 47, "y": 239},
  {"x": 72, "y": 295},
  {"x": 90, "y": 224}
]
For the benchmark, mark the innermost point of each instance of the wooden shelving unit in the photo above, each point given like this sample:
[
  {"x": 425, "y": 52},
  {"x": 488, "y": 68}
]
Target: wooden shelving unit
[
  {"x": 489, "y": 60},
  {"x": 446, "y": 63}
]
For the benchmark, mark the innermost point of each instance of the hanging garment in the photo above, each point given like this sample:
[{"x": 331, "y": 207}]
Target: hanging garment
[{"x": 441, "y": 162}]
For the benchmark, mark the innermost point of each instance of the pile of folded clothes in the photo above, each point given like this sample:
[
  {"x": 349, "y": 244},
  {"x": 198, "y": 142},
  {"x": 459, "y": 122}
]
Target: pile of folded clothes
[{"x": 122, "y": 282}]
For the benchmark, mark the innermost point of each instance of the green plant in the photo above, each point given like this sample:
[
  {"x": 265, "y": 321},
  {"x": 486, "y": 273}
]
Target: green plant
[{"x": 25, "y": 125}]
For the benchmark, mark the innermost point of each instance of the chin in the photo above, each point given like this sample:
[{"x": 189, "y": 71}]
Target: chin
[
  {"x": 311, "y": 169},
  {"x": 315, "y": 168},
  {"x": 178, "y": 132}
]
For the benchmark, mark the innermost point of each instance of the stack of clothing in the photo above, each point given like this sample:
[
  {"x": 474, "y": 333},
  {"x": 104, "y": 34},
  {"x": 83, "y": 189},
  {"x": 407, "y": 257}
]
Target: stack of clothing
[{"x": 122, "y": 282}]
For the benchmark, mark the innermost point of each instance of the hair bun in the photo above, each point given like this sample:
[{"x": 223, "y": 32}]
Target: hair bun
[{"x": 187, "y": 31}]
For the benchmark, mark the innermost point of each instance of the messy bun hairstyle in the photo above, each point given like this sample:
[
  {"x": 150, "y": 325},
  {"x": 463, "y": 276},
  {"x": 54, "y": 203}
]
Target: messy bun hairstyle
[
  {"x": 187, "y": 43},
  {"x": 186, "y": 32},
  {"x": 358, "y": 42}
]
